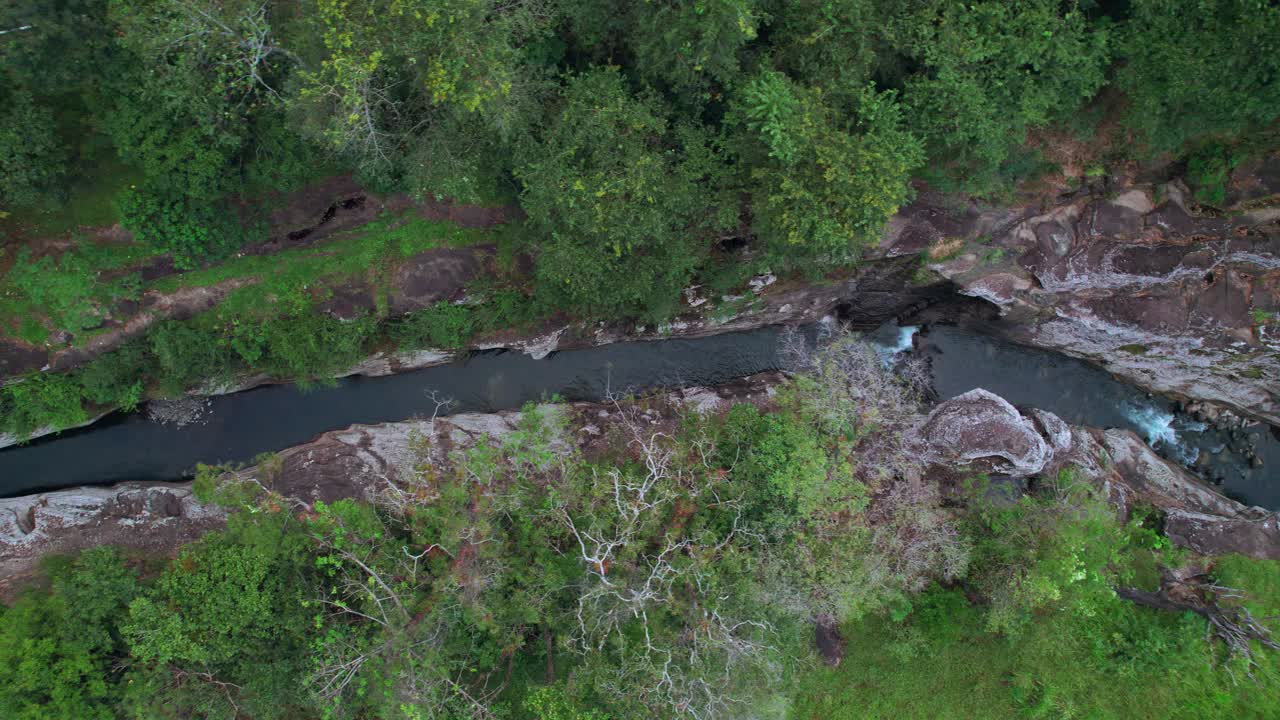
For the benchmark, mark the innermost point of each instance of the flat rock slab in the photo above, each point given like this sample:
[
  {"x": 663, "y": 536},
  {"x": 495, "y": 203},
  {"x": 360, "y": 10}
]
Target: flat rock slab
[
  {"x": 435, "y": 275},
  {"x": 17, "y": 358}
]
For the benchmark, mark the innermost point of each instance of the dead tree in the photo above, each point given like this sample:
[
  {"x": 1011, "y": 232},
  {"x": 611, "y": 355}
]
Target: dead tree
[{"x": 1227, "y": 619}]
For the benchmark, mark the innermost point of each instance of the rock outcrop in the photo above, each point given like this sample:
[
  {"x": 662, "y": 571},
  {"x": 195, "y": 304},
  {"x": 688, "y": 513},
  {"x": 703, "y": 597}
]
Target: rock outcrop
[
  {"x": 979, "y": 432},
  {"x": 1179, "y": 303},
  {"x": 153, "y": 517}
]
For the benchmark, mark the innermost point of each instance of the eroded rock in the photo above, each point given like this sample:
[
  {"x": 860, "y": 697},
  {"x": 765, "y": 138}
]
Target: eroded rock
[
  {"x": 981, "y": 432},
  {"x": 155, "y": 517}
]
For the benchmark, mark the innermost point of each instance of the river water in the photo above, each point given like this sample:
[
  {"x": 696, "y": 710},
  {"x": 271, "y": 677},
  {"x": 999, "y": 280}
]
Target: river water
[
  {"x": 963, "y": 359},
  {"x": 238, "y": 427}
]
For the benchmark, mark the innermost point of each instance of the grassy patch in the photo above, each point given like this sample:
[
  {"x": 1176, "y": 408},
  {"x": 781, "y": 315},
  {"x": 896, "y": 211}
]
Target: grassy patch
[
  {"x": 289, "y": 278},
  {"x": 1134, "y": 349},
  {"x": 941, "y": 663},
  {"x": 38, "y": 295}
]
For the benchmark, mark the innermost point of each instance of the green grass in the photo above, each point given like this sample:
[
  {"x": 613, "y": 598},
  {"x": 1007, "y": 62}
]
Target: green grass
[
  {"x": 1128, "y": 664},
  {"x": 64, "y": 290},
  {"x": 287, "y": 278}
]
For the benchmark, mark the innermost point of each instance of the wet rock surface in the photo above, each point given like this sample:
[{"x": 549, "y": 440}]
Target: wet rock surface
[
  {"x": 979, "y": 432},
  {"x": 1175, "y": 302}
]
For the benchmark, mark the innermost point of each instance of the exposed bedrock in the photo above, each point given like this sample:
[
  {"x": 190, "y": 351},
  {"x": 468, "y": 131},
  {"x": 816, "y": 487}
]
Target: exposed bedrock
[
  {"x": 975, "y": 432},
  {"x": 1179, "y": 304},
  {"x": 981, "y": 432}
]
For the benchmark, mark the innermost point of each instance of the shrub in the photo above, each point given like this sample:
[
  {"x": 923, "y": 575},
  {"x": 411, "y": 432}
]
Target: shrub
[
  {"x": 443, "y": 325},
  {"x": 187, "y": 354},
  {"x": 61, "y": 289},
  {"x": 192, "y": 230},
  {"x": 1057, "y": 550},
  {"x": 43, "y": 400},
  {"x": 117, "y": 378},
  {"x": 312, "y": 345}
]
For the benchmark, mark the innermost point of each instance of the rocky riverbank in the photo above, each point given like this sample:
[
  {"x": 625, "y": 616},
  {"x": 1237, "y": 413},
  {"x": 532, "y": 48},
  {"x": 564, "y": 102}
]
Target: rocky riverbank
[
  {"x": 1176, "y": 301},
  {"x": 976, "y": 432},
  {"x": 1176, "y": 298}
]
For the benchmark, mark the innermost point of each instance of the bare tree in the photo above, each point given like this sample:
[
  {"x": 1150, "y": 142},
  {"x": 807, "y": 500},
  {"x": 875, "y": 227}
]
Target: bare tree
[
  {"x": 852, "y": 394},
  {"x": 1226, "y": 617},
  {"x": 246, "y": 30}
]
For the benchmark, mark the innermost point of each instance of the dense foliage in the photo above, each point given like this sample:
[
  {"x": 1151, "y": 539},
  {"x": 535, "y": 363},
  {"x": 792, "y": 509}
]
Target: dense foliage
[
  {"x": 672, "y": 568},
  {"x": 636, "y": 135}
]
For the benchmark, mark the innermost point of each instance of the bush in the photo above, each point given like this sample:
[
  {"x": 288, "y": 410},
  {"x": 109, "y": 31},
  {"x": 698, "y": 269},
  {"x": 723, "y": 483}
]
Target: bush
[
  {"x": 312, "y": 345},
  {"x": 443, "y": 325},
  {"x": 117, "y": 378},
  {"x": 1208, "y": 171},
  {"x": 42, "y": 400},
  {"x": 187, "y": 354},
  {"x": 1058, "y": 550},
  {"x": 193, "y": 231}
]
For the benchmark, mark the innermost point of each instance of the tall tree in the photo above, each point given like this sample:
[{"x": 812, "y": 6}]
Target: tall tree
[
  {"x": 1197, "y": 69},
  {"x": 620, "y": 196}
]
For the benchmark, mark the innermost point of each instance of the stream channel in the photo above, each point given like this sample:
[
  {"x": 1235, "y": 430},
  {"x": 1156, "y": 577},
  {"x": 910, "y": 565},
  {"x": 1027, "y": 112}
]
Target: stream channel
[{"x": 237, "y": 427}]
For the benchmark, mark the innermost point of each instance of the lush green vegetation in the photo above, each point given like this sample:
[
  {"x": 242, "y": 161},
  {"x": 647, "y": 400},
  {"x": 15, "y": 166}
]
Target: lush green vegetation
[
  {"x": 641, "y": 140},
  {"x": 674, "y": 570},
  {"x": 677, "y": 572},
  {"x": 272, "y": 322},
  {"x": 636, "y": 136}
]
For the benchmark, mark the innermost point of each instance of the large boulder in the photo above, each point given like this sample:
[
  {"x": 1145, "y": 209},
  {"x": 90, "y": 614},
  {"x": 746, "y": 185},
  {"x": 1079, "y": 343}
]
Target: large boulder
[{"x": 980, "y": 432}]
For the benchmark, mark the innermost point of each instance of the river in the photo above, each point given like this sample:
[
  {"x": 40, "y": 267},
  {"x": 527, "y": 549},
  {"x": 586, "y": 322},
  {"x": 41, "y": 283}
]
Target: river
[{"x": 238, "y": 427}]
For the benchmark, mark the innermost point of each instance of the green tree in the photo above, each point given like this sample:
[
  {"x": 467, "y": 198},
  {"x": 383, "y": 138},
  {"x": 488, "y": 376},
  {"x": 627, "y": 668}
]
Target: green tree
[
  {"x": 823, "y": 183},
  {"x": 1060, "y": 550},
  {"x": 810, "y": 38},
  {"x": 32, "y": 156},
  {"x": 694, "y": 48},
  {"x": 1199, "y": 69},
  {"x": 60, "y": 651},
  {"x": 398, "y": 74},
  {"x": 224, "y": 626},
  {"x": 990, "y": 71},
  {"x": 619, "y": 197}
]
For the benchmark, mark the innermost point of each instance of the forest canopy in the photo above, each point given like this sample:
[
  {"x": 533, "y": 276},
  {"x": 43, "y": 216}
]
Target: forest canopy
[{"x": 635, "y": 135}]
